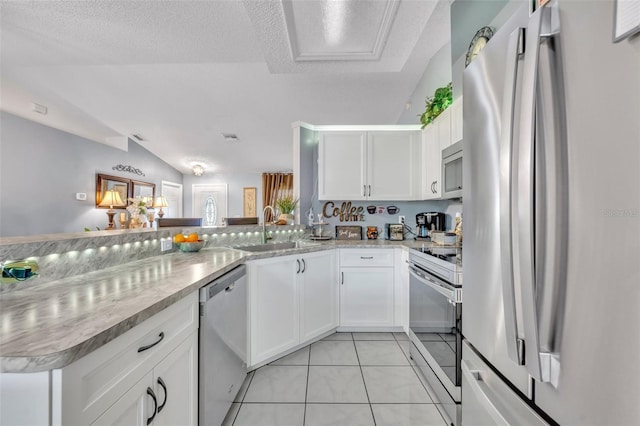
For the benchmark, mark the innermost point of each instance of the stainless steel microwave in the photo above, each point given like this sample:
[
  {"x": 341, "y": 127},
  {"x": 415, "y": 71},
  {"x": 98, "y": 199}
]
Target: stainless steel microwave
[{"x": 452, "y": 171}]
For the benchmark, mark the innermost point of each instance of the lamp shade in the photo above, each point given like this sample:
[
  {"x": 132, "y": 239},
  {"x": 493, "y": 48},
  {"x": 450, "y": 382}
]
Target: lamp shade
[
  {"x": 161, "y": 202},
  {"x": 111, "y": 198}
]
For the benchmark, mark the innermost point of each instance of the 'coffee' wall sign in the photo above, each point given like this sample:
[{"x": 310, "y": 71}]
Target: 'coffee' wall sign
[{"x": 346, "y": 212}]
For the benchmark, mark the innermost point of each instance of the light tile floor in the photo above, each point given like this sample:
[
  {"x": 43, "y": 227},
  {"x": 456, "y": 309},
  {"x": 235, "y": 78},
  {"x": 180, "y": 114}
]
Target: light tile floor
[{"x": 346, "y": 379}]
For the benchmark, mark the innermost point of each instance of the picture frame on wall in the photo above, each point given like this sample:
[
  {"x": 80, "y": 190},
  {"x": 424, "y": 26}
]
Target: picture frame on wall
[{"x": 249, "y": 202}]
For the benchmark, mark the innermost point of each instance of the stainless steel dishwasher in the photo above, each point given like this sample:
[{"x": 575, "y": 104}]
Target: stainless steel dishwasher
[{"x": 223, "y": 344}]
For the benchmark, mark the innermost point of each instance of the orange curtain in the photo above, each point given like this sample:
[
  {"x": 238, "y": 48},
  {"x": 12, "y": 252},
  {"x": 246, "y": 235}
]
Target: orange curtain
[{"x": 274, "y": 186}]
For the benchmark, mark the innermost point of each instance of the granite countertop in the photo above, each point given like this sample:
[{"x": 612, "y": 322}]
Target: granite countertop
[{"x": 51, "y": 325}]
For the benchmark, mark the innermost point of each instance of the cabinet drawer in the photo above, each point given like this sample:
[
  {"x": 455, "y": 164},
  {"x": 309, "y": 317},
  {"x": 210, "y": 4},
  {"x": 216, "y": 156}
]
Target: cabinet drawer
[
  {"x": 366, "y": 258},
  {"x": 89, "y": 386}
]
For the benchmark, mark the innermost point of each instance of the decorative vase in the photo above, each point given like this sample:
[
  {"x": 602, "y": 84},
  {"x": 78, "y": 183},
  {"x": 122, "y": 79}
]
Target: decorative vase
[
  {"x": 136, "y": 222},
  {"x": 287, "y": 217}
]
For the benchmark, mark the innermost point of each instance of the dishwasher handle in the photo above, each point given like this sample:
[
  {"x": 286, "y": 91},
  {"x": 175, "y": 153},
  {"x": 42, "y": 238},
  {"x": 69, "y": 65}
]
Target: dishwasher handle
[{"x": 224, "y": 283}]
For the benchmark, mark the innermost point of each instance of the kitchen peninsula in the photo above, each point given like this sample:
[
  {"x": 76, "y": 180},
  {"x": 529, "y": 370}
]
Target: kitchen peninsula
[{"x": 51, "y": 326}]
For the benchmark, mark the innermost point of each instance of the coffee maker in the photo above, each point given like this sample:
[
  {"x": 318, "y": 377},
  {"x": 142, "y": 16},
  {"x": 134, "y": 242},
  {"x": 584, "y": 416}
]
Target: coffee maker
[{"x": 427, "y": 222}]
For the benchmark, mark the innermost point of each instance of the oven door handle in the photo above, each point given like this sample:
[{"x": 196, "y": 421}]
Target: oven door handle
[{"x": 453, "y": 294}]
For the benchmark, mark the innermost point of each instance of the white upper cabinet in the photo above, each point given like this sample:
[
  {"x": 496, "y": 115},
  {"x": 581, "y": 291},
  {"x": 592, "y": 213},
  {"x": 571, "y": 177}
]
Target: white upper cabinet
[
  {"x": 369, "y": 164},
  {"x": 436, "y": 136},
  {"x": 341, "y": 166},
  {"x": 393, "y": 165},
  {"x": 456, "y": 120}
]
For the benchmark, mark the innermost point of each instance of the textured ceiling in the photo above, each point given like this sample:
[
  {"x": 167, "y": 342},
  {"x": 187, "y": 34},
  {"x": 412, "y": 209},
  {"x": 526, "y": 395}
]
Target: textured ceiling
[{"x": 180, "y": 73}]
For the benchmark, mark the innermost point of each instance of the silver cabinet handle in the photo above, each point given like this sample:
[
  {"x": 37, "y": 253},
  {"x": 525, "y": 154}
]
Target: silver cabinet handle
[
  {"x": 364, "y": 190},
  {"x": 166, "y": 395},
  {"x": 155, "y": 405},
  {"x": 341, "y": 278},
  {"x": 507, "y": 176},
  {"x": 304, "y": 266},
  {"x": 144, "y": 348},
  {"x": 435, "y": 187},
  {"x": 369, "y": 190},
  {"x": 366, "y": 257},
  {"x": 298, "y": 262}
]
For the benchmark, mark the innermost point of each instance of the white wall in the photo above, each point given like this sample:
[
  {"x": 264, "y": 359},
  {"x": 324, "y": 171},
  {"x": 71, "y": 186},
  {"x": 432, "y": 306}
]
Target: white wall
[{"x": 235, "y": 184}]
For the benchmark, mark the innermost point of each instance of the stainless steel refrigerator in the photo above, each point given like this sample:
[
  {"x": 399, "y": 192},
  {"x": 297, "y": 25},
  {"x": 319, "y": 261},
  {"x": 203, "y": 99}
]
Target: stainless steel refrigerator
[{"x": 551, "y": 196}]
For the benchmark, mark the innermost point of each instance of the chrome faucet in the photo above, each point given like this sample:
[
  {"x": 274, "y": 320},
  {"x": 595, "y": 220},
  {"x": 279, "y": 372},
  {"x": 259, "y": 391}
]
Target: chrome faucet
[{"x": 265, "y": 236}]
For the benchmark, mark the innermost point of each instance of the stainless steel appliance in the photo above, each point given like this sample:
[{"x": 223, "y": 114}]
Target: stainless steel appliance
[
  {"x": 452, "y": 171},
  {"x": 429, "y": 221},
  {"x": 552, "y": 135},
  {"x": 223, "y": 343},
  {"x": 435, "y": 313}
]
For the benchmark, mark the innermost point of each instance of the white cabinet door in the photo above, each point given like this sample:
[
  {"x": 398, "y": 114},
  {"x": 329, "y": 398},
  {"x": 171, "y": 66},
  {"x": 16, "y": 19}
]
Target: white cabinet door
[
  {"x": 443, "y": 123},
  {"x": 366, "y": 297},
  {"x": 175, "y": 384},
  {"x": 133, "y": 408},
  {"x": 273, "y": 307},
  {"x": 318, "y": 289},
  {"x": 431, "y": 162},
  {"x": 393, "y": 165},
  {"x": 435, "y": 137},
  {"x": 341, "y": 165},
  {"x": 456, "y": 120}
]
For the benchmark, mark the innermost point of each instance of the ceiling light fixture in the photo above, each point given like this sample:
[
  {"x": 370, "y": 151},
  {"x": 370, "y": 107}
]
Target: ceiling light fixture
[
  {"x": 138, "y": 137},
  {"x": 198, "y": 170},
  {"x": 334, "y": 15}
]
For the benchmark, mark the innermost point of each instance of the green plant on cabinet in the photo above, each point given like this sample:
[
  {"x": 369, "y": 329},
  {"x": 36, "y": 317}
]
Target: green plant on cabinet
[{"x": 441, "y": 100}]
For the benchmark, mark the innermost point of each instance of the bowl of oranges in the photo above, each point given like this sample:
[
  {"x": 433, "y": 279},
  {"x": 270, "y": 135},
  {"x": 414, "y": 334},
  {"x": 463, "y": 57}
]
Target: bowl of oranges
[{"x": 188, "y": 243}]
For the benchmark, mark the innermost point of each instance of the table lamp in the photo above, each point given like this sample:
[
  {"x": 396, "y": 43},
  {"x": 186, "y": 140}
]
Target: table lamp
[
  {"x": 111, "y": 198},
  {"x": 160, "y": 202}
]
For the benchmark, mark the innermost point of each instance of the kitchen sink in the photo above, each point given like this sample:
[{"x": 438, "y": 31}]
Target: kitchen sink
[{"x": 275, "y": 246}]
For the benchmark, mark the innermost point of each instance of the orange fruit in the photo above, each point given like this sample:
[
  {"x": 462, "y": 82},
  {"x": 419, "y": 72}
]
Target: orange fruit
[
  {"x": 192, "y": 238},
  {"x": 178, "y": 238}
]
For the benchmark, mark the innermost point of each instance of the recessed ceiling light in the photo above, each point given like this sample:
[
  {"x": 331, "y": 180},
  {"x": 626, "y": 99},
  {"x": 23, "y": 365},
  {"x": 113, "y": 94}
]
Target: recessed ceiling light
[
  {"x": 138, "y": 137},
  {"x": 230, "y": 137}
]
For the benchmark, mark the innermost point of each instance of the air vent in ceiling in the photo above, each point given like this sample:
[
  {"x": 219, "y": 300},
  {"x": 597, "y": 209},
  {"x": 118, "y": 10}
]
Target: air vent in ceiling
[
  {"x": 230, "y": 137},
  {"x": 138, "y": 137}
]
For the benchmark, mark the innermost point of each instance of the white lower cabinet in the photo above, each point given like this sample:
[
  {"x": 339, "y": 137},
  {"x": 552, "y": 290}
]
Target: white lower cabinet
[
  {"x": 132, "y": 409},
  {"x": 366, "y": 297},
  {"x": 165, "y": 396},
  {"x": 367, "y": 288},
  {"x": 292, "y": 299},
  {"x": 117, "y": 383}
]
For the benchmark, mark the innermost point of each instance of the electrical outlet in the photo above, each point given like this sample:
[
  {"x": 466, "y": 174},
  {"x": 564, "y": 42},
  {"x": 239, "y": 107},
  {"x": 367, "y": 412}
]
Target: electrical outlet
[
  {"x": 401, "y": 219},
  {"x": 166, "y": 244}
]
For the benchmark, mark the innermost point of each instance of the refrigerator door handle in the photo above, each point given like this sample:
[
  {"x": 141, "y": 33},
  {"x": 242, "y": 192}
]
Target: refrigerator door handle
[
  {"x": 514, "y": 52},
  {"x": 525, "y": 205},
  {"x": 551, "y": 198},
  {"x": 483, "y": 394}
]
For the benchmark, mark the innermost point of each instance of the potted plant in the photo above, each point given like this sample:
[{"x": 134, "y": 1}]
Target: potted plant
[
  {"x": 440, "y": 101},
  {"x": 286, "y": 206}
]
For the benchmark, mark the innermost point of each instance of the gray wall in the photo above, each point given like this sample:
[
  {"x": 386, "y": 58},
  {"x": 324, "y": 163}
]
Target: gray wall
[
  {"x": 41, "y": 170},
  {"x": 235, "y": 183},
  {"x": 467, "y": 17},
  {"x": 437, "y": 74}
]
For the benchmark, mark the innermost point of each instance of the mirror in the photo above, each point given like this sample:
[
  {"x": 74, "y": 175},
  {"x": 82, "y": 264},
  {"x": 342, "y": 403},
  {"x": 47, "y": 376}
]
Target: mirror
[
  {"x": 143, "y": 189},
  {"x": 107, "y": 182}
]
